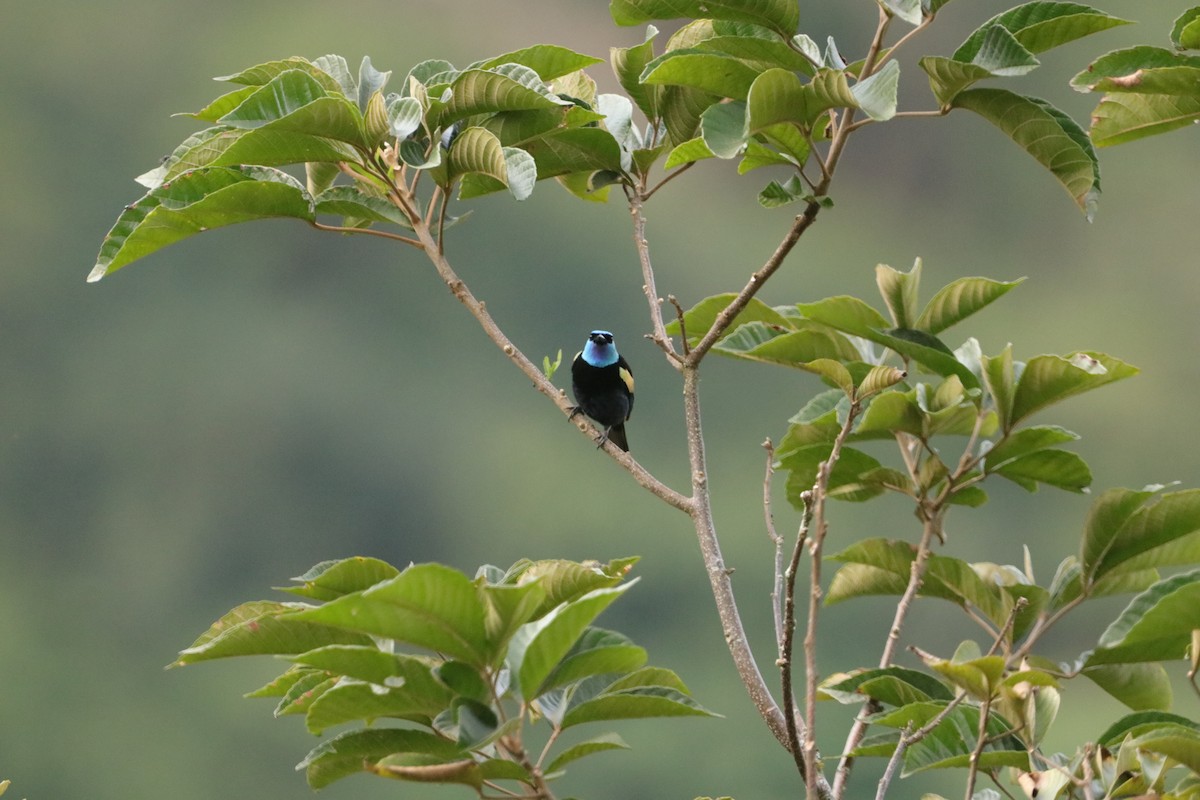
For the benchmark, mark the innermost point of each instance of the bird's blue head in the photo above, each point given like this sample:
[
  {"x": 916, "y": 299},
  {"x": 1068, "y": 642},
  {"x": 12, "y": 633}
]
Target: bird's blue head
[{"x": 600, "y": 350}]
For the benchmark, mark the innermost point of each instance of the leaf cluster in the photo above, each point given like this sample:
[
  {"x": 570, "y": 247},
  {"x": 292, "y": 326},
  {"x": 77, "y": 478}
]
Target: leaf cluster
[
  {"x": 734, "y": 81},
  {"x": 441, "y": 676}
]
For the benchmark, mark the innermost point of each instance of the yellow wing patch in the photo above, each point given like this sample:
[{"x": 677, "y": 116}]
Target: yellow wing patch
[{"x": 627, "y": 376}]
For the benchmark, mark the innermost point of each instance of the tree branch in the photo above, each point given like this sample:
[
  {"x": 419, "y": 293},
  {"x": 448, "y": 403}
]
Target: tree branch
[
  {"x": 718, "y": 573},
  {"x": 540, "y": 382}
]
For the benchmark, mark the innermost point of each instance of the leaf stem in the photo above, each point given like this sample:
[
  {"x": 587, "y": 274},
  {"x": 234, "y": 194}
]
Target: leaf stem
[{"x": 321, "y": 226}]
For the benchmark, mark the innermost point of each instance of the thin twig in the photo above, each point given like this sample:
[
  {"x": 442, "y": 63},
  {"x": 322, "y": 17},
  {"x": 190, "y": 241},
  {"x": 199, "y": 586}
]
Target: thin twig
[
  {"x": 819, "y": 527},
  {"x": 760, "y": 277},
  {"x": 980, "y": 742},
  {"x": 916, "y": 577},
  {"x": 321, "y": 226},
  {"x": 679, "y": 315},
  {"x": 786, "y": 646},
  {"x": 672, "y": 176},
  {"x": 659, "y": 336},
  {"x": 777, "y": 541}
]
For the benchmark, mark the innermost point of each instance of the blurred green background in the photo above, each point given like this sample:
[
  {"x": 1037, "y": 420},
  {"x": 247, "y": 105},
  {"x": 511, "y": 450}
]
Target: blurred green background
[{"x": 205, "y": 424}]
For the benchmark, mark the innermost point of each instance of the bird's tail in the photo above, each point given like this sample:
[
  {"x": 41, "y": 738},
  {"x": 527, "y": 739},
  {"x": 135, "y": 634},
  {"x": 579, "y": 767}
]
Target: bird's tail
[{"x": 616, "y": 435}]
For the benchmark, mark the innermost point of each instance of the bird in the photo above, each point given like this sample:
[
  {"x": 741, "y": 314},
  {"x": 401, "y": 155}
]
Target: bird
[{"x": 603, "y": 386}]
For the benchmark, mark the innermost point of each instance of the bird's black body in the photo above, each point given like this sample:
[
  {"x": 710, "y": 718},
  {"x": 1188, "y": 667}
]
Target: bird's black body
[{"x": 603, "y": 385}]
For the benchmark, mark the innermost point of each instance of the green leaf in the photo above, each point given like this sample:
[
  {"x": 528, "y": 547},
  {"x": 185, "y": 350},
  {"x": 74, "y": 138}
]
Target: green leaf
[
  {"x": 370, "y": 81},
  {"x": 198, "y": 201},
  {"x": 699, "y": 319},
  {"x": 1124, "y": 534},
  {"x": 565, "y": 581},
  {"x": 899, "y": 290},
  {"x": 998, "y": 375},
  {"x": 1124, "y": 117},
  {"x": 509, "y": 606},
  {"x": 549, "y": 61},
  {"x": 332, "y": 579},
  {"x": 1002, "y": 54},
  {"x": 415, "y": 696},
  {"x": 280, "y": 685},
  {"x": 372, "y": 665},
  {"x": 225, "y": 146},
  {"x": 1185, "y": 33},
  {"x": 261, "y": 74},
  {"x": 356, "y": 751},
  {"x": 951, "y": 743},
  {"x": 427, "y": 605},
  {"x": 628, "y": 64},
  {"x": 538, "y": 647},
  {"x": 883, "y": 566},
  {"x": 781, "y": 16},
  {"x": 723, "y": 129},
  {"x": 478, "y": 91},
  {"x": 302, "y": 694},
  {"x": 477, "y": 150},
  {"x": 978, "y": 675},
  {"x": 428, "y": 769},
  {"x": 352, "y": 202},
  {"x": 889, "y": 413},
  {"x": 948, "y": 77},
  {"x": 829, "y": 88},
  {"x": 845, "y": 313},
  {"x": 1041, "y": 26},
  {"x": 876, "y": 95},
  {"x": 598, "y": 744},
  {"x": 775, "y": 194},
  {"x": 690, "y": 151},
  {"x": 1138, "y": 69},
  {"x": 1037, "y": 128},
  {"x": 596, "y": 652},
  {"x": 908, "y": 10},
  {"x": 625, "y": 699},
  {"x": 1050, "y": 379},
  {"x": 1060, "y": 468},
  {"x": 1139, "y": 686},
  {"x": 848, "y": 481},
  {"x": 758, "y": 47},
  {"x": 260, "y": 628},
  {"x": 1107, "y": 516},
  {"x": 1157, "y": 624},
  {"x": 296, "y": 102},
  {"x": 570, "y": 150},
  {"x": 958, "y": 300},
  {"x": 776, "y": 96},
  {"x": 702, "y": 70},
  {"x": 760, "y": 341},
  {"x": 853, "y": 316},
  {"x": 895, "y": 686},
  {"x": 1026, "y": 441},
  {"x": 1139, "y": 722},
  {"x": 1180, "y": 743}
]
